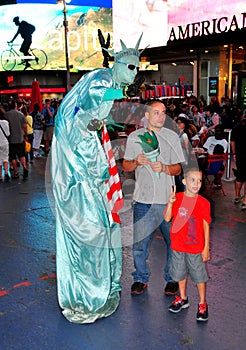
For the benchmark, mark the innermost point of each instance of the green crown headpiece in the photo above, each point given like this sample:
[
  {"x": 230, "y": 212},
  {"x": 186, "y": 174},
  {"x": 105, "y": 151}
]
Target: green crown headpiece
[{"x": 126, "y": 51}]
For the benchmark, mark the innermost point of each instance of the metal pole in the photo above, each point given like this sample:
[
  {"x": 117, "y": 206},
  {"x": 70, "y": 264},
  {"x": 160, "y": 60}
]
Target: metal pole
[
  {"x": 228, "y": 163},
  {"x": 230, "y": 51},
  {"x": 65, "y": 24}
]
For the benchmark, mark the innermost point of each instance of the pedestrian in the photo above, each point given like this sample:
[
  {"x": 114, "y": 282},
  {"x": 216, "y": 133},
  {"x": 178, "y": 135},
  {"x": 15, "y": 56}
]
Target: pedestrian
[
  {"x": 212, "y": 147},
  {"x": 4, "y": 145},
  {"x": 217, "y": 139},
  {"x": 183, "y": 125},
  {"x": 238, "y": 147},
  {"x": 38, "y": 129},
  {"x": 88, "y": 237},
  {"x": 149, "y": 197},
  {"x": 48, "y": 113},
  {"x": 212, "y": 120},
  {"x": 189, "y": 213},
  {"x": 29, "y": 133},
  {"x": 17, "y": 126}
]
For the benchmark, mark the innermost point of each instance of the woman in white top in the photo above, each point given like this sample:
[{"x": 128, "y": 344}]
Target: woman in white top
[{"x": 4, "y": 145}]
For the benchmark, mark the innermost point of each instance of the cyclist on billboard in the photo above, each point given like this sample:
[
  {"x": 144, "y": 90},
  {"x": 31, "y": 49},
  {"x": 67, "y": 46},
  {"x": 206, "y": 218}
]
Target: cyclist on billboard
[{"x": 25, "y": 30}]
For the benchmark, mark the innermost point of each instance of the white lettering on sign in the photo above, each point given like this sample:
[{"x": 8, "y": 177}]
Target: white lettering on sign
[
  {"x": 74, "y": 40},
  {"x": 216, "y": 25}
]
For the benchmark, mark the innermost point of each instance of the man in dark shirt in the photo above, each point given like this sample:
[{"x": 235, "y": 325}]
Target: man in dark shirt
[
  {"x": 25, "y": 30},
  {"x": 238, "y": 147}
]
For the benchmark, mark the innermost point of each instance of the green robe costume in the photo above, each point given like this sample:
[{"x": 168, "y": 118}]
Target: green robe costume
[{"x": 89, "y": 254}]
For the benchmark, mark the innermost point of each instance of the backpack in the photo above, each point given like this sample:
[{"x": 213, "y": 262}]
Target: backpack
[{"x": 30, "y": 29}]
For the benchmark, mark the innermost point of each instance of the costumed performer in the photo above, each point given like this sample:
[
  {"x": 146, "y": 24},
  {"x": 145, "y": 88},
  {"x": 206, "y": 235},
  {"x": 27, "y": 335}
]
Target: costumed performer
[{"x": 89, "y": 254}]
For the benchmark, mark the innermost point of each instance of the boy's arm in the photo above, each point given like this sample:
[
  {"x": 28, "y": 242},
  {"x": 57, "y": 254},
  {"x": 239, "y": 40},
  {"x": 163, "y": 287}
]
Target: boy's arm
[
  {"x": 168, "y": 213},
  {"x": 205, "y": 252}
]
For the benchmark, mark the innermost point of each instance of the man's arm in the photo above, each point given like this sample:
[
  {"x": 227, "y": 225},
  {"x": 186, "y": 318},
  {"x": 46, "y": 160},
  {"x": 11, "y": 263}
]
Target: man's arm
[
  {"x": 172, "y": 170},
  {"x": 17, "y": 33},
  {"x": 205, "y": 252},
  {"x": 233, "y": 149},
  {"x": 50, "y": 111},
  {"x": 215, "y": 120},
  {"x": 131, "y": 165}
]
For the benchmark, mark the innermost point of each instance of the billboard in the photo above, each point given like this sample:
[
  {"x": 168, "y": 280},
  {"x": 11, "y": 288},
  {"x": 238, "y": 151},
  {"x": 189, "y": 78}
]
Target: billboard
[
  {"x": 168, "y": 20},
  {"x": 48, "y": 39}
]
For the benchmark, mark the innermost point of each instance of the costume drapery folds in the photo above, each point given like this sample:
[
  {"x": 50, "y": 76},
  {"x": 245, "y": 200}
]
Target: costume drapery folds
[{"x": 89, "y": 256}]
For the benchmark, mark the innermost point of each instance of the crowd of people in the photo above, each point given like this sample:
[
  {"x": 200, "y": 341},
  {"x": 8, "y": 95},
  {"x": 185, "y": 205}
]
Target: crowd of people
[
  {"x": 198, "y": 125},
  {"x": 20, "y": 126},
  {"x": 181, "y": 126}
]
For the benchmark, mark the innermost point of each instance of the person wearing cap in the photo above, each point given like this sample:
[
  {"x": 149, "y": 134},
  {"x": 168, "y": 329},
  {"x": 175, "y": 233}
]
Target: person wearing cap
[
  {"x": 88, "y": 237},
  {"x": 185, "y": 109},
  {"x": 25, "y": 30}
]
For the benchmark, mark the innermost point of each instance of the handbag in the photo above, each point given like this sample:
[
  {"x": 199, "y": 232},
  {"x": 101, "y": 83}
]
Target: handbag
[{"x": 28, "y": 146}]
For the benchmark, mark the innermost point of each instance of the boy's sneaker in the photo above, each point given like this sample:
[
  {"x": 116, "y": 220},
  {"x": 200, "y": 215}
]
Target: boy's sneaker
[
  {"x": 171, "y": 288},
  {"x": 202, "y": 313},
  {"x": 243, "y": 206},
  {"x": 238, "y": 200},
  {"x": 178, "y": 304},
  {"x": 138, "y": 288}
]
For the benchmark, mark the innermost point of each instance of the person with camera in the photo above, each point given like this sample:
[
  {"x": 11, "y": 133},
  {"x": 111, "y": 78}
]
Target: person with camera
[{"x": 48, "y": 113}]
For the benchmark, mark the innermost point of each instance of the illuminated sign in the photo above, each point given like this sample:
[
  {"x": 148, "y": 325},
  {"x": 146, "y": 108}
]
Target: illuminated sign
[
  {"x": 216, "y": 25},
  {"x": 213, "y": 86},
  {"x": 83, "y": 46},
  {"x": 161, "y": 21},
  {"x": 133, "y": 17},
  {"x": 100, "y": 3}
]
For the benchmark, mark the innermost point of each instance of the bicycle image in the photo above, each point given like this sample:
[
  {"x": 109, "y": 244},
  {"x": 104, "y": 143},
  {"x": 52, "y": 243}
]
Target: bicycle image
[{"x": 37, "y": 58}]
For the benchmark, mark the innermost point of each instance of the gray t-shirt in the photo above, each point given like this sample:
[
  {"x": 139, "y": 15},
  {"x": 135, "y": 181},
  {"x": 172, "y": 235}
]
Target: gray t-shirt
[
  {"x": 148, "y": 187},
  {"x": 16, "y": 122}
]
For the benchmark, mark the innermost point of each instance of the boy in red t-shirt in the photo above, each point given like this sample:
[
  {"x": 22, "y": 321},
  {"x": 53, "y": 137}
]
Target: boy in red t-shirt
[{"x": 190, "y": 215}]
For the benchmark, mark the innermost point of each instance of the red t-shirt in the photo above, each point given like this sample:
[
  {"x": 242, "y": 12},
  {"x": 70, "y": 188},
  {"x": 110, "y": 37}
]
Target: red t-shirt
[{"x": 187, "y": 234}]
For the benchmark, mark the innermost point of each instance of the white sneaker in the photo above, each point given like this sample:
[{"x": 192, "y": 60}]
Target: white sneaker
[{"x": 37, "y": 156}]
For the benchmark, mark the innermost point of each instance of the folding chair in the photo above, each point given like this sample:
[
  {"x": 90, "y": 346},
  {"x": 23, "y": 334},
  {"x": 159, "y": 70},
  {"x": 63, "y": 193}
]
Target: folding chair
[{"x": 216, "y": 167}]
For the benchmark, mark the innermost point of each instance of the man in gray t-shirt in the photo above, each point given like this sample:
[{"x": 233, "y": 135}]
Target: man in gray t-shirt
[
  {"x": 17, "y": 126},
  {"x": 154, "y": 180}
]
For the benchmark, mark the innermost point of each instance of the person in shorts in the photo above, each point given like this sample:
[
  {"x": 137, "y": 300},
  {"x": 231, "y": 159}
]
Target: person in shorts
[
  {"x": 48, "y": 113},
  {"x": 190, "y": 215},
  {"x": 17, "y": 127}
]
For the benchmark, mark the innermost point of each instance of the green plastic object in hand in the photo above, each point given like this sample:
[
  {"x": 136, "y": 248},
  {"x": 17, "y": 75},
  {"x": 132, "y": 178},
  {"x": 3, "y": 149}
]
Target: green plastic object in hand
[{"x": 149, "y": 141}]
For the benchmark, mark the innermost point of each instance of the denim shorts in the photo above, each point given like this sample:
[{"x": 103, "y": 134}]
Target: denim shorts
[{"x": 183, "y": 264}]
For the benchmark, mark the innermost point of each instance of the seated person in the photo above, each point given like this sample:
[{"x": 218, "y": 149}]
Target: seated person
[
  {"x": 217, "y": 139},
  {"x": 217, "y": 167}
]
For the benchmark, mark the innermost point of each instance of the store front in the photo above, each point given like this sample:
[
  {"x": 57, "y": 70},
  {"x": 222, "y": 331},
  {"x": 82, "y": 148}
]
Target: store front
[{"x": 190, "y": 47}]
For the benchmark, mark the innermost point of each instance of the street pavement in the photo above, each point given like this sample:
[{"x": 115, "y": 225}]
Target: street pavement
[{"x": 30, "y": 317}]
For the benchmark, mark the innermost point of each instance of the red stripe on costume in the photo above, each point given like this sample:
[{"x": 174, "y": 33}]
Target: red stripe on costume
[{"x": 114, "y": 191}]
